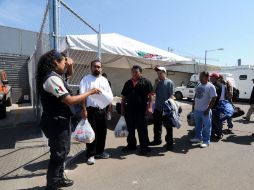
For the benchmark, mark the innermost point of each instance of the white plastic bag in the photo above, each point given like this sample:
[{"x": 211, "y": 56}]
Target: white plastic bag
[
  {"x": 84, "y": 132},
  {"x": 121, "y": 128}
]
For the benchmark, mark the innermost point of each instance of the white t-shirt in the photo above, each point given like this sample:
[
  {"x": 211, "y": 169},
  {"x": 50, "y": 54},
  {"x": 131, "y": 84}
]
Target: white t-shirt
[
  {"x": 203, "y": 96},
  {"x": 223, "y": 92},
  {"x": 89, "y": 82},
  {"x": 55, "y": 86}
]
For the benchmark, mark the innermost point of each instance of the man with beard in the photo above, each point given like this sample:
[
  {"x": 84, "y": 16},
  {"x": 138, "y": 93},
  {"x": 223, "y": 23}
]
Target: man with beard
[{"x": 95, "y": 115}]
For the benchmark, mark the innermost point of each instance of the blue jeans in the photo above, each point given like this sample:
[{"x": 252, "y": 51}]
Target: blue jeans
[
  {"x": 230, "y": 122},
  {"x": 203, "y": 126}
]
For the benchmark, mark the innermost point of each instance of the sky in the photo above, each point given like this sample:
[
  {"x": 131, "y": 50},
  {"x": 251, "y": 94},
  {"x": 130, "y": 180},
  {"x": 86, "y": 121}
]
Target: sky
[{"x": 186, "y": 27}]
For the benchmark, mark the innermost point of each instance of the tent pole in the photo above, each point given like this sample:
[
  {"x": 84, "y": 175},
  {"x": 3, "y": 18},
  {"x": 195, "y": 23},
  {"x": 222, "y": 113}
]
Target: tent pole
[{"x": 99, "y": 43}]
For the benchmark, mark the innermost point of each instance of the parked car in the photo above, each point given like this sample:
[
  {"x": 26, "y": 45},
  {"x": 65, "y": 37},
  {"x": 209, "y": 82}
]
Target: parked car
[{"x": 188, "y": 91}]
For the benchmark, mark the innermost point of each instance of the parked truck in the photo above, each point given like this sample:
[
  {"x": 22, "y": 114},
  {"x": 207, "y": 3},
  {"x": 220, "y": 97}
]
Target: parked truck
[
  {"x": 243, "y": 76},
  {"x": 5, "y": 94}
]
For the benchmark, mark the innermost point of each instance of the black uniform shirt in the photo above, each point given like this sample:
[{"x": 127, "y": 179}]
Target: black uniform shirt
[{"x": 136, "y": 95}]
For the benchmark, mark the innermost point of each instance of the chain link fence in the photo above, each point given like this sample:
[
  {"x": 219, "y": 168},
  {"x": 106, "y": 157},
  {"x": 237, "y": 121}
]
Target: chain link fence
[{"x": 69, "y": 23}]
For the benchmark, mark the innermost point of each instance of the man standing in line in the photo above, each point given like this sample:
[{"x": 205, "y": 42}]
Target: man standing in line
[
  {"x": 204, "y": 101},
  {"x": 217, "y": 125},
  {"x": 251, "y": 109},
  {"x": 96, "y": 115},
  {"x": 229, "y": 95},
  {"x": 136, "y": 105},
  {"x": 164, "y": 90}
]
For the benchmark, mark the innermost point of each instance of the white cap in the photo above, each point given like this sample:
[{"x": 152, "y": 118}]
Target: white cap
[{"x": 160, "y": 69}]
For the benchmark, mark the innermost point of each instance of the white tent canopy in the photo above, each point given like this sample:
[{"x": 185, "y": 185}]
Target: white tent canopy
[{"x": 122, "y": 52}]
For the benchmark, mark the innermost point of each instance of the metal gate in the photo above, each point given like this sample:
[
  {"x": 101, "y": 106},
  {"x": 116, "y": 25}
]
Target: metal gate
[{"x": 16, "y": 67}]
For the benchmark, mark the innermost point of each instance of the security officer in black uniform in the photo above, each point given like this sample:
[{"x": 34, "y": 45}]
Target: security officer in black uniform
[{"x": 56, "y": 98}]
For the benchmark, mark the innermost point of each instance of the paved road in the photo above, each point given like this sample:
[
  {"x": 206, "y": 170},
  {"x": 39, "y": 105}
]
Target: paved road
[{"x": 227, "y": 165}]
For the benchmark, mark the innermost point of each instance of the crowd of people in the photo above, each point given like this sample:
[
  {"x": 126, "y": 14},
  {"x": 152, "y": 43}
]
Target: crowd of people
[{"x": 138, "y": 95}]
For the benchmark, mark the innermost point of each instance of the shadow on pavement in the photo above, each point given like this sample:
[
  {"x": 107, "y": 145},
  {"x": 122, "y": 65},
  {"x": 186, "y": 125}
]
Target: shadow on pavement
[
  {"x": 9, "y": 136},
  {"x": 183, "y": 145},
  {"x": 30, "y": 166},
  {"x": 243, "y": 121},
  {"x": 33, "y": 167},
  {"x": 23, "y": 176},
  {"x": 242, "y": 140},
  {"x": 75, "y": 161},
  {"x": 34, "y": 188}
]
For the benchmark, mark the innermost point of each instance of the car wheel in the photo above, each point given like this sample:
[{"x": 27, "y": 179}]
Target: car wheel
[{"x": 178, "y": 95}]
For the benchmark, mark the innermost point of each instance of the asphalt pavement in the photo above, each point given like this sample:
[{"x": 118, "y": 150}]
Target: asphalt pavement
[{"x": 224, "y": 165}]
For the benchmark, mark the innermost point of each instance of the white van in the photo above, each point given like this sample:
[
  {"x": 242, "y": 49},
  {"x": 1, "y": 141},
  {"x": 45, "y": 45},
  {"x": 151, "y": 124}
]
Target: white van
[
  {"x": 243, "y": 76},
  {"x": 188, "y": 91}
]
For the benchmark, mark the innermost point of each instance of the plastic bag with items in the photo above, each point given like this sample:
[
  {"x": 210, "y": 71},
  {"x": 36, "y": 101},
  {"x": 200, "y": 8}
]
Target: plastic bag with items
[
  {"x": 83, "y": 132},
  {"x": 121, "y": 128}
]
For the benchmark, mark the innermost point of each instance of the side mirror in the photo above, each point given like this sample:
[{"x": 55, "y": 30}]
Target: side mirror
[{"x": 5, "y": 82}]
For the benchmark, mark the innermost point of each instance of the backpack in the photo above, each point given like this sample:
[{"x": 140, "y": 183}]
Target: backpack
[{"x": 232, "y": 95}]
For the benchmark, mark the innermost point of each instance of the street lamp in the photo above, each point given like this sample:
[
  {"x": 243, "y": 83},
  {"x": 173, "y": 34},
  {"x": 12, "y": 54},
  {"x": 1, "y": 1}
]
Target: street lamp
[{"x": 219, "y": 49}]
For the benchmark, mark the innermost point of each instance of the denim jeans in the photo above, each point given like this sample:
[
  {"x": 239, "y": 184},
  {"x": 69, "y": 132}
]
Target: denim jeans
[
  {"x": 230, "y": 123},
  {"x": 203, "y": 126}
]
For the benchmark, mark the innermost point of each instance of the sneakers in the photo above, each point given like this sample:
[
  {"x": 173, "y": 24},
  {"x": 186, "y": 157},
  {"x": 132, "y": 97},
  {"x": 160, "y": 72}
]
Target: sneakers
[
  {"x": 90, "y": 160},
  {"x": 155, "y": 143},
  {"x": 204, "y": 145},
  {"x": 195, "y": 140},
  {"x": 104, "y": 155},
  {"x": 245, "y": 118}
]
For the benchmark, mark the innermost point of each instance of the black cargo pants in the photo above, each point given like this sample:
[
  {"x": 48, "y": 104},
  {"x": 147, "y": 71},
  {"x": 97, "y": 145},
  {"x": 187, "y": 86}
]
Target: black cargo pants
[{"x": 57, "y": 130}]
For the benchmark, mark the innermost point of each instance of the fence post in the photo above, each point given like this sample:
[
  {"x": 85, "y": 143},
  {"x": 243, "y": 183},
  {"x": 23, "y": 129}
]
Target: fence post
[{"x": 53, "y": 24}]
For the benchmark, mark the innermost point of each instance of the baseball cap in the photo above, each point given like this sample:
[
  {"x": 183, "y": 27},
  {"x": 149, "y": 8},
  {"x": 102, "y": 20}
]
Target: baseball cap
[
  {"x": 160, "y": 69},
  {"x": 215, "y": 75}
]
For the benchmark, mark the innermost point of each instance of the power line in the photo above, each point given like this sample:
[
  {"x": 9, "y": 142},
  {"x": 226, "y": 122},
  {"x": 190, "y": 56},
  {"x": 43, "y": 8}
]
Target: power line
[{"x": 190, "y": 55}]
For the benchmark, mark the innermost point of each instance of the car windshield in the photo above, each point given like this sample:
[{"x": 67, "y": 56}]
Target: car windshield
[{"x": 192, "y": 84}]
